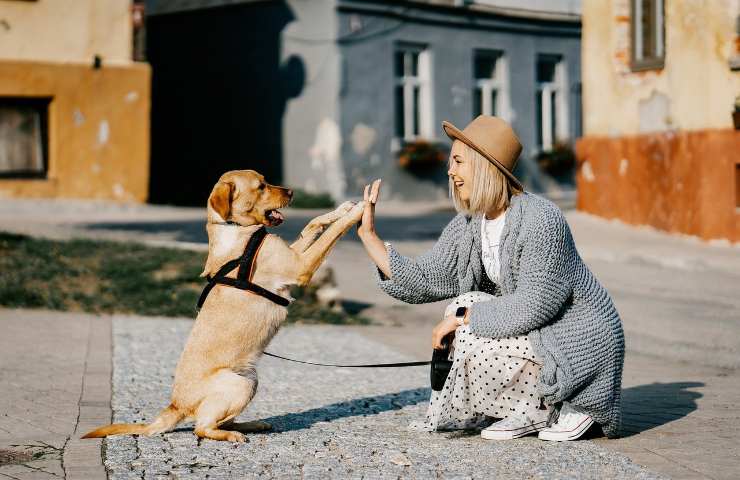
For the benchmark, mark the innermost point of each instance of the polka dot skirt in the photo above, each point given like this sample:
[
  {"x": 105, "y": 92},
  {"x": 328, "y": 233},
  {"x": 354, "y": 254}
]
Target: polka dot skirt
[{"x": 490, "y": 377}]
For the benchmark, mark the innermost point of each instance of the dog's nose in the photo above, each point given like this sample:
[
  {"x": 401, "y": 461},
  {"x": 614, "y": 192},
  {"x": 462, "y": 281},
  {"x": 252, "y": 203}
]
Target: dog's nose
[{"x": 290, "y": 193}]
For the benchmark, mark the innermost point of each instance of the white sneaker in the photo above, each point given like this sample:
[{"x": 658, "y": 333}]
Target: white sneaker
[
  {"x": 511, "y": 428},
  {"x": 571, "y": 424}
]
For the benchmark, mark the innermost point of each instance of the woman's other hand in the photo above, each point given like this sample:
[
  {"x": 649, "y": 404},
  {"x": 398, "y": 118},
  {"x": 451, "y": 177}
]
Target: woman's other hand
[
  {"x": 443, "y": 328},
  {"x": 366, "y": 226}
]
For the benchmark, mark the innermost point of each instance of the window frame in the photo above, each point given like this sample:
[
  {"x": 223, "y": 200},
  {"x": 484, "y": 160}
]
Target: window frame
[
  {"x": 422, "y": 82},
  {"x": 636, "y": 35},
  {"x": 499, "y": 83},
  {"x": 559, "y": 88},
  {"x": 42, "y": 105}
]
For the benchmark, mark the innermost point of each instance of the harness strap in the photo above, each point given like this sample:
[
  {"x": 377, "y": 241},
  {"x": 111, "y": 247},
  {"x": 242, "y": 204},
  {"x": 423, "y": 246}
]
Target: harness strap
[
  {"x": 244, "y": 275},
  {"x": 246, "y": 262}
]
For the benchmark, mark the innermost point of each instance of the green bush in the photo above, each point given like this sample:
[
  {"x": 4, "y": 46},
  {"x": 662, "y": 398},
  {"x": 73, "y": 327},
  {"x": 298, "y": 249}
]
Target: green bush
[{"x": 303, "y": 199}]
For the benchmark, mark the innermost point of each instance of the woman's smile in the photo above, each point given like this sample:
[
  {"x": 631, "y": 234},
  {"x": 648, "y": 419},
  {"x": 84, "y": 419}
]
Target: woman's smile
[{"x": 460, "y": 170}]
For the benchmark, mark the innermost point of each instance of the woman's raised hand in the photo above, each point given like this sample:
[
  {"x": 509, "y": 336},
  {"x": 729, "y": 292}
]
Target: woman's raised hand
[
  {"x": 367, "y": 223},
  {"x": 366, "y": 231}
]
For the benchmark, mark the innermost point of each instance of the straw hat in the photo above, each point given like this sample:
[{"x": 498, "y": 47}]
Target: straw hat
[{"x": 493, "y": 138}]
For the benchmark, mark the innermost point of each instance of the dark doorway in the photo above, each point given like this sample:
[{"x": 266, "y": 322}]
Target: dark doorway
[{"x": 219, "y": 91}]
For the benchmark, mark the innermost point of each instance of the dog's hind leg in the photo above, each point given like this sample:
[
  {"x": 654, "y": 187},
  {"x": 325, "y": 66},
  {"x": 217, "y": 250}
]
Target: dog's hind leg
[
  {"x": 206, "y": 426},
  {"x": 256, "y": 425},
  {"x": 225, "y": 401}
]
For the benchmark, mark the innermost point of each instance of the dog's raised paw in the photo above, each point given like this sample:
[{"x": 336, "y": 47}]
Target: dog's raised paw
[
  {"x": 356, "y": 212},
  {"x": 346, "y": 206}
]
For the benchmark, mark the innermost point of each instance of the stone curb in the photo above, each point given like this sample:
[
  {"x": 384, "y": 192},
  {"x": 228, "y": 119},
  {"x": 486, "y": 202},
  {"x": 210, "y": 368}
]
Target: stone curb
[{"x": 83, "y": 458}]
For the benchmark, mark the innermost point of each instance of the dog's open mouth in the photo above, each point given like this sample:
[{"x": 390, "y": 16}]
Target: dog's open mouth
[{"x": 274, "y": 217}]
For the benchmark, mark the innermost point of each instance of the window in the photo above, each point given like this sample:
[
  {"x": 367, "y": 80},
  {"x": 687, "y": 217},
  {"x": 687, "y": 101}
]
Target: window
[
  {"x": 413, "y": 94},
  {"x": 648, "y": 43},
  {"x": 490, "y": 92},
  {"x": 23, "y": 137},
  {"x": 551, "y": 101}
]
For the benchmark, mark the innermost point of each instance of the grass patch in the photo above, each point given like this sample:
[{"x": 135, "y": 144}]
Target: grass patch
[{"x": 110, "y": 277}]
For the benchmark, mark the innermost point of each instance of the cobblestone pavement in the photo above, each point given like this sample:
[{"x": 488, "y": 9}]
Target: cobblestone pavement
[{"x": 328, "y": 423}]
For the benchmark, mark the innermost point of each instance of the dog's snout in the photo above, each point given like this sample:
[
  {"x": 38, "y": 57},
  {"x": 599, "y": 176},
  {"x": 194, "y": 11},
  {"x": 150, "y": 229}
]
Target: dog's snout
[{"x": 290, "y": 193}]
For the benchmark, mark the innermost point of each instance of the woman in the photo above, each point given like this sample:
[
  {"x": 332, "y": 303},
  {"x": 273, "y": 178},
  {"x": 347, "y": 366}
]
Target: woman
[{"x": 538, "y": 343}]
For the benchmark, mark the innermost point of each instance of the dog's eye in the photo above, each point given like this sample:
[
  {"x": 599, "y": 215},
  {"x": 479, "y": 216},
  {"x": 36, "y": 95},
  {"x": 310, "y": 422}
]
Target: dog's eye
[{"x": 261, "y": 187}]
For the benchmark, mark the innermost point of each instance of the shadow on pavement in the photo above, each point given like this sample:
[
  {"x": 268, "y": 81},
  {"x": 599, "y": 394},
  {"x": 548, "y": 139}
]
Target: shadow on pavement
[
  {"x": 645, "y": 407},
  {"x": 421, "y": 227},
  {"x": 181, "y": 231},
  {"x": 352, "y": 408}
]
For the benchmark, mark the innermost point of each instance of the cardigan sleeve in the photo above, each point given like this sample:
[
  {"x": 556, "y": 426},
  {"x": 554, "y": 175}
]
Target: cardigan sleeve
[
  {"x": 429, "y": 277},
  {"x": 542, "y": 287}
]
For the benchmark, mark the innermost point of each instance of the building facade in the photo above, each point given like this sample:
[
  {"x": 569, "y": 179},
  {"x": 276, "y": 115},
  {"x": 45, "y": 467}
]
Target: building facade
[
  {"x": 381, "y": 77},
  {"x": 661, "y": 80},
  {"x": 74, "y": 107},
  {"x": 326, "y": 95}
]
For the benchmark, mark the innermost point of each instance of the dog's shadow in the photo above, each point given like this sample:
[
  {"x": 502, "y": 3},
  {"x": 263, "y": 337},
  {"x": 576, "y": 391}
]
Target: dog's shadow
[
  {"x": 352, "y": 408},
  {"x": 648, "y": 406}
]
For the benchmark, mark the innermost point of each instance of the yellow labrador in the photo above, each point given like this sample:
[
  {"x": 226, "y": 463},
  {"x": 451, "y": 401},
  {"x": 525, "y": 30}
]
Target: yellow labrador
[{"x": 216, "y": 378}]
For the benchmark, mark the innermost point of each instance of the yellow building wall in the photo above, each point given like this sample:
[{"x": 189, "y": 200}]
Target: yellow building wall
[
  {"x": 66, "y": 30},
  {"x": 696, "y": 88},
  {"x": 98, "y": 129}
]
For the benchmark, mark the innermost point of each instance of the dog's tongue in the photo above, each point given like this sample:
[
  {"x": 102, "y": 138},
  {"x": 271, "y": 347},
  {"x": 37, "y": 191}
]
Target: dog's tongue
[{"x": 276, "y": 218}]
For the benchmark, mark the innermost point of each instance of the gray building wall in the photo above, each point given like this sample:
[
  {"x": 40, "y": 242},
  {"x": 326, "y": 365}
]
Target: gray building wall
[
  {"x": 311, "y": 135},
  {"x": 334, "y": 76},
  {"x": 452, "y": 35}
]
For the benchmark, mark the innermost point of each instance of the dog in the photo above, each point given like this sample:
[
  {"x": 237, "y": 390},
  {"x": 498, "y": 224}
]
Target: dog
[{"x": 216, "y": 378}]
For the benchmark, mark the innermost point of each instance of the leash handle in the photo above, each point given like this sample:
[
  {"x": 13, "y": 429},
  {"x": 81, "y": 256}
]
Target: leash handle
[{"x": 376, "y": 365}]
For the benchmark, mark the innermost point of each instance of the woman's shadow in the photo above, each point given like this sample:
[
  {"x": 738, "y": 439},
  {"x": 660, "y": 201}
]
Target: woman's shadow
[{"x": 645, "y": 407}]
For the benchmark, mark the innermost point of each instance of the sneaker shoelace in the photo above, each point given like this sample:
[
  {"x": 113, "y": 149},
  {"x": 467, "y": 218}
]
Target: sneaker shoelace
[{"x": 512, "y": 423}]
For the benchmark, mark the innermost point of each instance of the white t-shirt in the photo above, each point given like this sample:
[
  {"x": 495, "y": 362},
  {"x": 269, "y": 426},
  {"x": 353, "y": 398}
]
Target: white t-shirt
[{"x": 490, "y": 239}]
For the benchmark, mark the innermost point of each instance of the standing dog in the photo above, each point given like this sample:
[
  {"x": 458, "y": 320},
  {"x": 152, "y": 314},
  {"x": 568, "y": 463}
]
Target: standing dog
[{"x": 216, "y": 378}]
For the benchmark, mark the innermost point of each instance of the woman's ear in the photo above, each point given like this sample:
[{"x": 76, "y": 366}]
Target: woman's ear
[{"x": 220, "y": 199}]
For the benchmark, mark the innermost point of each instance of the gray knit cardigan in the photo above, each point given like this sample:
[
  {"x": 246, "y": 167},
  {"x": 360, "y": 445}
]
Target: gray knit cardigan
[{"x": 545, "y": 291}]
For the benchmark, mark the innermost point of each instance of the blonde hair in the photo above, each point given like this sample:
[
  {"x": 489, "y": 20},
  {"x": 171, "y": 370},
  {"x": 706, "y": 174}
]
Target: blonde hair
[{"x": 491, "y": 189}]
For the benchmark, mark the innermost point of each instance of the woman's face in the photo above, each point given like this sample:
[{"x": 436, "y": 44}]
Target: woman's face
[{"x": 461, "y": 170}]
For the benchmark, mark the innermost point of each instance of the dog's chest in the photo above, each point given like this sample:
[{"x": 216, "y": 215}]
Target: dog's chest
[{"x": 281, "y": 287}]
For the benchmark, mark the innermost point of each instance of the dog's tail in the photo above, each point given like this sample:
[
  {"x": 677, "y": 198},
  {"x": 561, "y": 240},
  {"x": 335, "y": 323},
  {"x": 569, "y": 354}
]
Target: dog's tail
[{"x": 167, "y": 419}]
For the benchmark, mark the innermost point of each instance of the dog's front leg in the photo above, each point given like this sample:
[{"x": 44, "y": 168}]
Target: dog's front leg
[
  {"x": 314, "y": 228},
  {"x": 312, "y": 258}
]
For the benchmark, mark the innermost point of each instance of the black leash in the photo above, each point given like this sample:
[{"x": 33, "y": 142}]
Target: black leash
[
  {"x": 377, "y": 365},
  {"x": 244, "y": 275}
]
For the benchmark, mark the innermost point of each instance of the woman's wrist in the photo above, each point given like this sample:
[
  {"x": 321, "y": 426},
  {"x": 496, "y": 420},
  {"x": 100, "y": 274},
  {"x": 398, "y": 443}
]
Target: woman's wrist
[{"x": 367, "y": 233}]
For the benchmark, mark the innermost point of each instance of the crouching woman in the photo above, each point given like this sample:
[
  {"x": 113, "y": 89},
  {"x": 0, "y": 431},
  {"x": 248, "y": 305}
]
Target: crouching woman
[{"x": 538, "y": 345}]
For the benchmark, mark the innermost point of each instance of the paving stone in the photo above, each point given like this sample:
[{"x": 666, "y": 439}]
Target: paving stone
[{"x": 327, "y": 423}]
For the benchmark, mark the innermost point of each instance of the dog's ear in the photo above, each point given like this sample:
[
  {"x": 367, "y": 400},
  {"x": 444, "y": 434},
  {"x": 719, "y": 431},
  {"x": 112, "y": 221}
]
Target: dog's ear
[{"x": 220, "y": 199}]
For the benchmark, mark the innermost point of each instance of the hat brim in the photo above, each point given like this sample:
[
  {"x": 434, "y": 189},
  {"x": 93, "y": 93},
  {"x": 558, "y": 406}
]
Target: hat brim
[{"x": 456, "y": 134}]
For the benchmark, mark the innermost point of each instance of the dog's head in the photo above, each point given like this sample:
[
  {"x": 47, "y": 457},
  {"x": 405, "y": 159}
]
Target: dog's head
[{"x": 243, "y": 196}]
